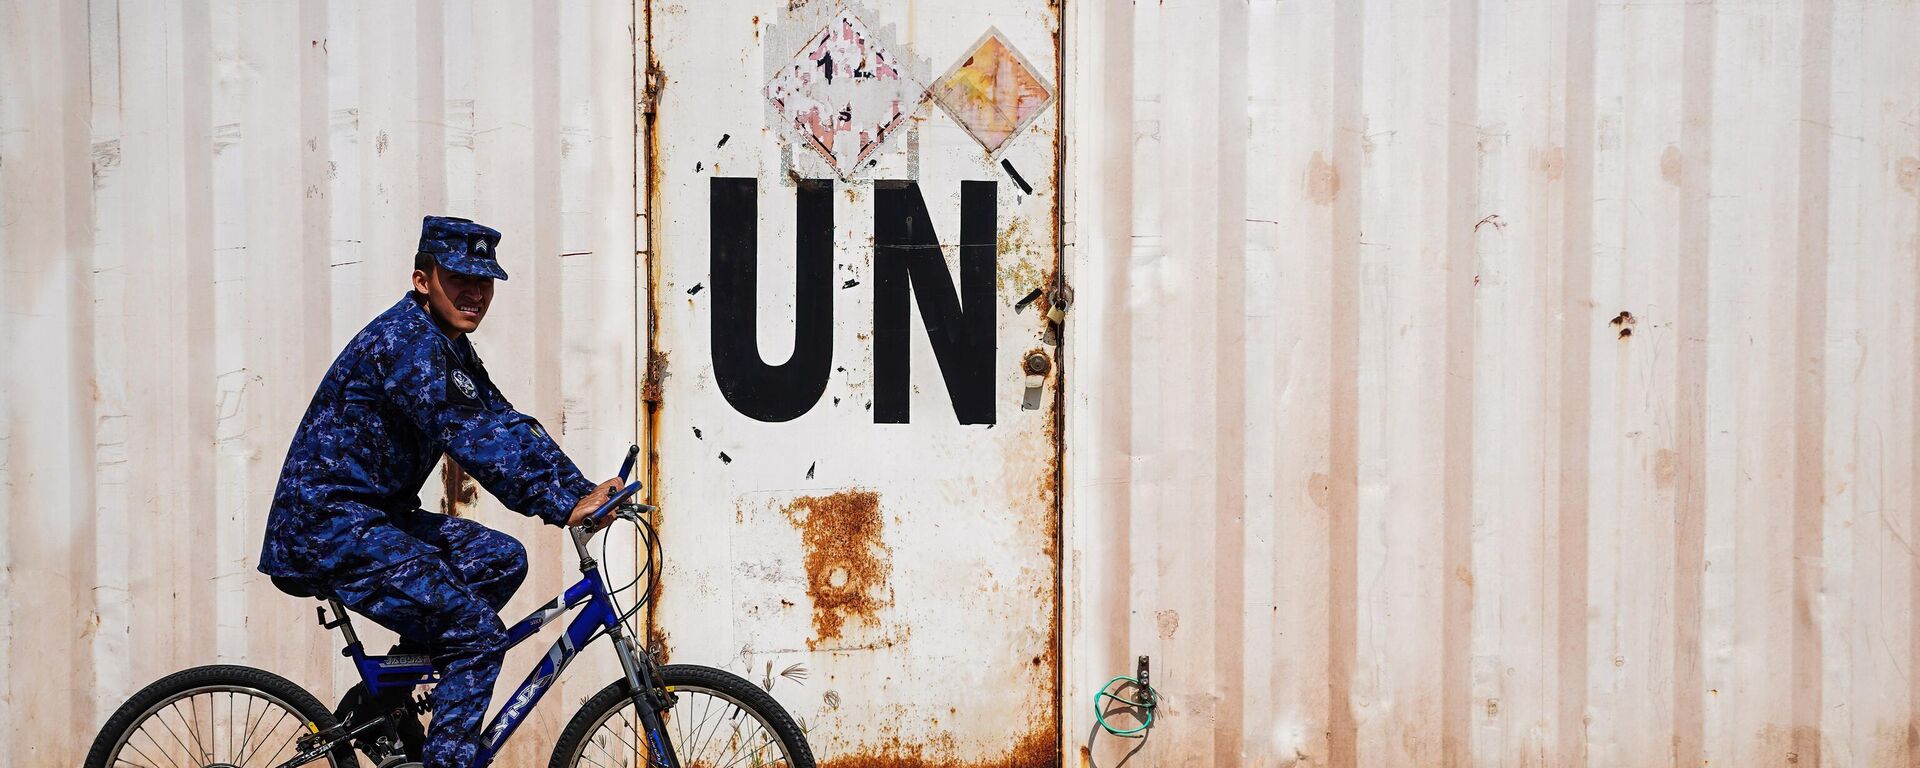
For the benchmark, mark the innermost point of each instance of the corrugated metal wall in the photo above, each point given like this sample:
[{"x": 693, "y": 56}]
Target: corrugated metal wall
[
  {"x": 1491, "y": 383},
  {"x": 200, "y": 201},
  {"x": 1496, "y": 382}
]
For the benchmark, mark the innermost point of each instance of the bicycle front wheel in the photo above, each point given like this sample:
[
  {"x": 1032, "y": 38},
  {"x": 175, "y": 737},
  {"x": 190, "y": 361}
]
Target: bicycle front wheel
[
  {"x": 215, "y": 716},
  {"x": 718, "y": 719}
]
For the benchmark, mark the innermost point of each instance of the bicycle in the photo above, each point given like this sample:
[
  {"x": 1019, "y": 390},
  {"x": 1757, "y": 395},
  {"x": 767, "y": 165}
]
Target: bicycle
[{"x": 752, "y": 729}]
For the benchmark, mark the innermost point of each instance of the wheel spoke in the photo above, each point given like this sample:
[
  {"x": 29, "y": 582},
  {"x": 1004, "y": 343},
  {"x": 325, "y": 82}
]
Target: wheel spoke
[
  {"x": 264, "y": 737},
  {"x": 706, "y": 715},
  {"x": 246, "y": 734},
  {"x": 157, "y": 746},
  {"x": 137, "y": 751},
  {"x": 756, "y": 750},
  {"x": 283, "y": 745},
  {"x": 192, "y": 727},
  {"x": 633, "y": 745},
  {"x": 210, "y": 745},
  {"x": 710, "y": 728},
  {"x": 717, "y": 725},
  {"x": 184, "y": 749},
  {"x": 596, "y": 742}
]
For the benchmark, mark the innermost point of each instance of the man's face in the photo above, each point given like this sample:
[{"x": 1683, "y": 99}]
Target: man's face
[{"x": 457, "y": 302}]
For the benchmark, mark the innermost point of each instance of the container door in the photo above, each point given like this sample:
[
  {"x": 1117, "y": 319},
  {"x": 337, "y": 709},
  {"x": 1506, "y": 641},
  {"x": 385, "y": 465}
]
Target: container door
[{"x": 854, "y": 240}]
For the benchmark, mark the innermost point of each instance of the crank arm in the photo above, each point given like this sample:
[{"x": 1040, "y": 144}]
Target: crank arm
[{"x": 321, "y": 751}]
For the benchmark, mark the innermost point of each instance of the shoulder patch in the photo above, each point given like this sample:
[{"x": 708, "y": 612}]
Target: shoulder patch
[{"x": 461, "y": 386}]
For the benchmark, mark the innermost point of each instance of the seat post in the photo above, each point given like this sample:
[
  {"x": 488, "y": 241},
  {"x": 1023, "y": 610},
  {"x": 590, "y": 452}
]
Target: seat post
[{"x": 340, "y": 620}]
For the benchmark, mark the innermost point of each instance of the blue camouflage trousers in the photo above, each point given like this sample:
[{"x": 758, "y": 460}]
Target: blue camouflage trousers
[{"x": 451, "y": 604}]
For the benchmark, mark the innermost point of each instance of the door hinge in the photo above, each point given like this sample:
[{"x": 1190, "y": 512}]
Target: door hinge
[
  {"x": 652, "y": 387},
  {"x": 650, "y": 96}
]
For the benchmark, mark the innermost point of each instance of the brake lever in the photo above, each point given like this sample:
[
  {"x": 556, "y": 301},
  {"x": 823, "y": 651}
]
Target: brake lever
[{"x": 633, "y": 510}]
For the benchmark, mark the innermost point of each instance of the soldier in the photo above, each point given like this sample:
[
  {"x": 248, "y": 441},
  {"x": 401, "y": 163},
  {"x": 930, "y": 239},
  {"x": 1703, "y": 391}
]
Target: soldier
[{"x": 346, "y": 521}]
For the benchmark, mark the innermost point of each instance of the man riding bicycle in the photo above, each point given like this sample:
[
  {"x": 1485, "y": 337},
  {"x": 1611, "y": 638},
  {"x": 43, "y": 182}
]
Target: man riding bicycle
[{"x": 346, "y": 521}]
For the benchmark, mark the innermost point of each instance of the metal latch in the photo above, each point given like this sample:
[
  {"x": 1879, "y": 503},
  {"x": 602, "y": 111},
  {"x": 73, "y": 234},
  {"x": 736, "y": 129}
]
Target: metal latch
[
  {"x": 650, "y": 96},
  {"x": 1036, "y": 365},
  {"x": 652, "y": 387}
]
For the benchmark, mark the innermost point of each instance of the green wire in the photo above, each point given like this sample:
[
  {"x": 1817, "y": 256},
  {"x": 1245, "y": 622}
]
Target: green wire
[{"x": 1146, "y": 704}]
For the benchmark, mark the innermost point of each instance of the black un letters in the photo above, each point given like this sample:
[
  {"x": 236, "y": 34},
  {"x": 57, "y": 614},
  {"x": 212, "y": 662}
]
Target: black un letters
[{"x": 907, "y": 261}]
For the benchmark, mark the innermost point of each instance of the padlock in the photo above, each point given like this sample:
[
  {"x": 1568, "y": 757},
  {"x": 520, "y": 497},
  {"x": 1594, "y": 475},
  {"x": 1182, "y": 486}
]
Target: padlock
[{"x": 1056, "y": 314}]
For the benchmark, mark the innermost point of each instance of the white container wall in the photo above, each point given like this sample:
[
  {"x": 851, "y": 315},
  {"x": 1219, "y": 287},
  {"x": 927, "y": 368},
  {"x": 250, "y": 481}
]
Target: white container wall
[
  {"x": 200, "y": 201},
  {"x": 1465, "y": 382},
  {"x": 1495, "y": 383}
]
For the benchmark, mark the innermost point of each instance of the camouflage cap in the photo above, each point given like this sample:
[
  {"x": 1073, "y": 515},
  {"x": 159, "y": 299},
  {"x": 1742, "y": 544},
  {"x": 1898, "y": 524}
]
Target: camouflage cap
[{"x": 462, "y": 246}]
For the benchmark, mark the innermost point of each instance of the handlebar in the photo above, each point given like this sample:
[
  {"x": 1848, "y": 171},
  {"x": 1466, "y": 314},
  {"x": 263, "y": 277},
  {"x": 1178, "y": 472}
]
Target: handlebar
[
  {"x": 633, "y": 452},
  {"x": 614, "y": 503}
]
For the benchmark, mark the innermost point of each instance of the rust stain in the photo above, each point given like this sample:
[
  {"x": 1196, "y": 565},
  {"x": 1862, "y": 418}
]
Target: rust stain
[
  {"x": 653, "y": 386},
  {"x": 457, "y": 489},
  {"x": 1323, "y": 180},
  {"x": 1022, "y": 271},
  {"x": 648, "y": 86},
  {"x": 1890, "y": 745},
  {"x": 1168, "y": 621},
  {"x": 1464, "y": 574},
  {"x": 1623, "y": 321},
  {"x": 1671, "y": 165},
  {"x": 1553, "y": 163},
  {"x": 1317, "y": 489},
  {"x": 659, "y": 643},
  {"x": 1666, "y": 464},
  {"x": 1036, "y": 749},
  {"x": 1907, "y": 173},
  {"x": 847, "y": 561}
]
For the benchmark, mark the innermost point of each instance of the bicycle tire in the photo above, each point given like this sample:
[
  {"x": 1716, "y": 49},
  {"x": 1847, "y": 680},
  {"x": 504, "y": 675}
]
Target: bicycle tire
[
  {"x": 685, "y": 679},
  {"x": 187, "y": 685}
]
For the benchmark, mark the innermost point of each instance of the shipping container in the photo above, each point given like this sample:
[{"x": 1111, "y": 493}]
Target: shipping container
[{"x": 1466, "y": 382}]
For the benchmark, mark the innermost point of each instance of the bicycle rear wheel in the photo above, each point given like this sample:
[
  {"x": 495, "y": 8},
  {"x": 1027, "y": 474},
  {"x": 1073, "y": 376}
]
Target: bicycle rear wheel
[
  {"x": 211, "y": 717},
  {"x": 719, "y": 719}
]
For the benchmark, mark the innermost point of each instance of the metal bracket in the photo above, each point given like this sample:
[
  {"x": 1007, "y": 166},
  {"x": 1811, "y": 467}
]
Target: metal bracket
[
  {"x": 652, "y": 388},
  {"x": 1146, "y": 688},
  {"x": 650, "y": 97}
]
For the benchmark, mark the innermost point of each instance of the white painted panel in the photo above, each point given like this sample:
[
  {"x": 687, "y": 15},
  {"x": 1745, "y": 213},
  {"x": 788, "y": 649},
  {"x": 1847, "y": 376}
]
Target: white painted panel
[{"x": 904, "y": 559}]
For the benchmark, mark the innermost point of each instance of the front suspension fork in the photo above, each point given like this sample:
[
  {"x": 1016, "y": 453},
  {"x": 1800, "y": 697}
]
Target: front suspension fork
[{"x": 650, "y": 700}]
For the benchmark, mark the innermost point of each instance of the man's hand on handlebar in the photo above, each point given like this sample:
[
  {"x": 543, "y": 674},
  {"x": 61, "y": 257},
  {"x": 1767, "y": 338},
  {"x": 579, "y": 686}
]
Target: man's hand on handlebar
[{"x": 584, "y": 508}]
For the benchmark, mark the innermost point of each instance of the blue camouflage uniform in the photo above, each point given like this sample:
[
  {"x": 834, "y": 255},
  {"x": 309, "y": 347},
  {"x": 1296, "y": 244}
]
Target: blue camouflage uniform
[{"x": 346, "y": 520}]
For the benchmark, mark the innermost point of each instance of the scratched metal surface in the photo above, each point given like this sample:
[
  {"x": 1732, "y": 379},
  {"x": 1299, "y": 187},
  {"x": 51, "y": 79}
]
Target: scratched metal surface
[
  {"x": 1490, "y": 383},
  {"x": 904, "y": 561},
  {"x": 1495, "y": 383}
]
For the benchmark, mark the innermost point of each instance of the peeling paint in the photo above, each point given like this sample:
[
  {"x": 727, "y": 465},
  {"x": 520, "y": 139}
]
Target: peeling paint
[
  {"x": 844, "y": 94},
  {"x": 1037, "y": 748}
]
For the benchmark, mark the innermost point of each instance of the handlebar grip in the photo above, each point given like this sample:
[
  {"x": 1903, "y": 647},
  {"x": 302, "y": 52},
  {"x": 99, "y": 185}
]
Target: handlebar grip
[
  {"x": 615, "y": 501},
  {"x": 633, "y": 452}
]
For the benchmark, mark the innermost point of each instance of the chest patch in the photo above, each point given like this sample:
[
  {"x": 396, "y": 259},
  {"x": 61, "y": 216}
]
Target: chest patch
[{"x": 464, "y": 383}]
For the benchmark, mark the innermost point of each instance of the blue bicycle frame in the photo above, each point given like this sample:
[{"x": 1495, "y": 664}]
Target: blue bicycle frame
[{"x": 600, "y": 614}]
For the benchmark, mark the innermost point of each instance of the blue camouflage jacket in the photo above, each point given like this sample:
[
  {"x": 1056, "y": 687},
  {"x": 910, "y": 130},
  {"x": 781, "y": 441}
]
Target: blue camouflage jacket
[{"x": 398, "y": 397}]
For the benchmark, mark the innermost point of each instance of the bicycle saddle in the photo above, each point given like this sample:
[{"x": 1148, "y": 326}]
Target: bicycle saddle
[{"x": 294, "y": 587}]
